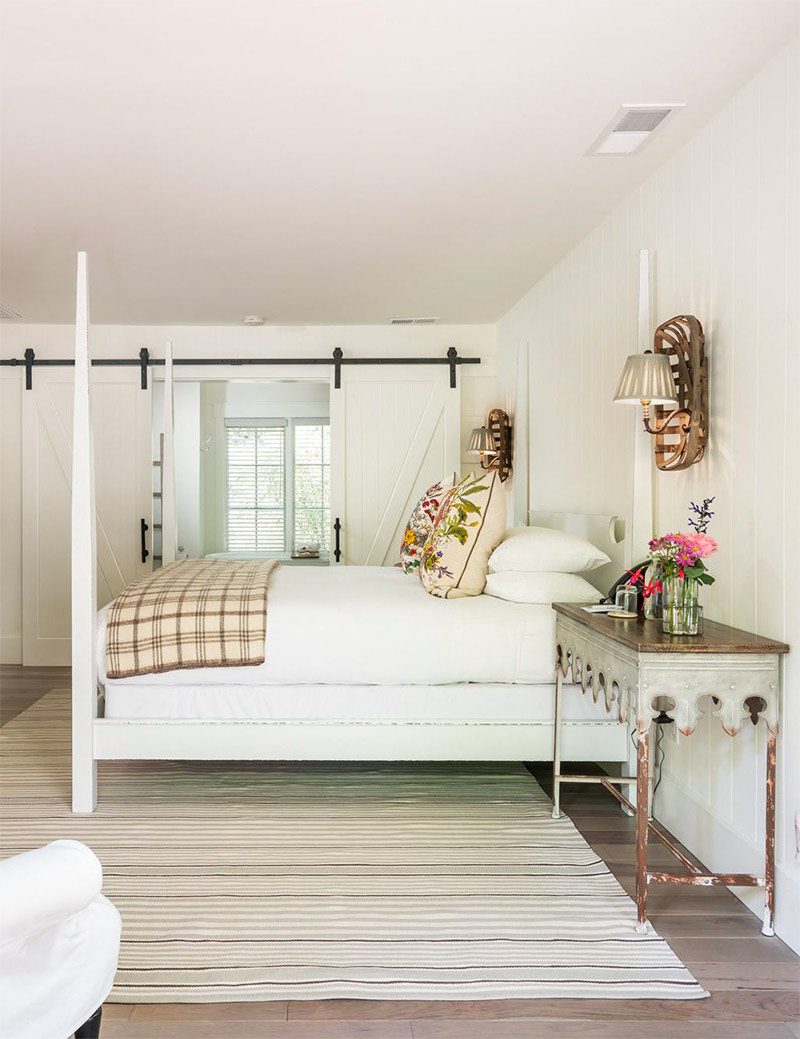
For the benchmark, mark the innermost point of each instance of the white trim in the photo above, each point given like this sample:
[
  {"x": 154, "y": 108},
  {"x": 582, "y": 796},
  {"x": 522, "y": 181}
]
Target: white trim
[
  {"x": 84, "y": 565},
  {"x": 10, "y": 649}
]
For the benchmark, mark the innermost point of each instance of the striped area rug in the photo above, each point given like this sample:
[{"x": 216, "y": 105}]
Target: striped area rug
[{"x": 246, "y": 881}]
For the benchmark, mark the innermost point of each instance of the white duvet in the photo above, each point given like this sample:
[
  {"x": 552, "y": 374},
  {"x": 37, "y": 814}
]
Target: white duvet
[{"x": 360, "y": 625}]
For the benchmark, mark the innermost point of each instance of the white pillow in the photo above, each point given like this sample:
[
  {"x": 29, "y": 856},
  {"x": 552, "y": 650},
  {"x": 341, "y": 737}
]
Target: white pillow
[
  {"x": 541, "y": 550},
  {"x": 518, "y": 586}
]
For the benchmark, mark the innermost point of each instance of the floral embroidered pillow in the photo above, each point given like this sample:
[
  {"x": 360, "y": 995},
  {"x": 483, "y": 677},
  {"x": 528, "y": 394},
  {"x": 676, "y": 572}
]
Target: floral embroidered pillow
[
  {"x": 420, "y": 524},
  {"x": 468, "y": 527}
]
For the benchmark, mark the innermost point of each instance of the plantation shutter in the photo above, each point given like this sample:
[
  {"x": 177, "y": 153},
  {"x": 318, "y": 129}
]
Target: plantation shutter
[{"x": 256, "y": 480}]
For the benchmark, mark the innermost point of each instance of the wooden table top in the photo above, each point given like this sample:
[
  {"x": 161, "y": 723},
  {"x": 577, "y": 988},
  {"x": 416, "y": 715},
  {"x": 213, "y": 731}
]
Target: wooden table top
[{"x": 646, "y": 636}]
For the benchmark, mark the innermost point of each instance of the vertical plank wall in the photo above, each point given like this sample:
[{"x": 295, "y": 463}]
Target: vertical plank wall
[{"x": 721, "y": 219}]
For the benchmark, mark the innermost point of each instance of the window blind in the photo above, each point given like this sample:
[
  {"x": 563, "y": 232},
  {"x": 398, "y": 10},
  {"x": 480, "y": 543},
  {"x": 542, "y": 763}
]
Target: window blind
[
  {"x": 256, "y": 479},
  {"x": 278, "y": 484}
]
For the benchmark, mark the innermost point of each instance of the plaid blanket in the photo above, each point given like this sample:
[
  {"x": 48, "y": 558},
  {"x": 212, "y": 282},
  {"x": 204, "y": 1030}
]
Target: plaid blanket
[{"x": 193, "y": 613}]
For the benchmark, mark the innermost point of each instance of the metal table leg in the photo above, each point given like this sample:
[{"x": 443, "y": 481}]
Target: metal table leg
[
  {"x": 642, "y": 822},
  {"x": 768, "y": 927},
  {"x": 557, "y": 744}
]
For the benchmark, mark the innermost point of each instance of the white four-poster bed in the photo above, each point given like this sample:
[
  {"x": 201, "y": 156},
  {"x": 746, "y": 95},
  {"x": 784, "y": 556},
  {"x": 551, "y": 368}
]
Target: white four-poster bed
[{"x": 367, "y": 692}]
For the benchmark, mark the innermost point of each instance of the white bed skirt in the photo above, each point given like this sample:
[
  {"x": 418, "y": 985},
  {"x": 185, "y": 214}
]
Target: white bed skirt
[
  {"x": 351, "y": 723},
  {"x": 489, "y": 704}
]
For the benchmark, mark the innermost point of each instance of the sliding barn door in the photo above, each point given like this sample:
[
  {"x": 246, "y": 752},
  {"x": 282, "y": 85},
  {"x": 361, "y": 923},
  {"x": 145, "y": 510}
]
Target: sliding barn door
[
  {"x": 395, "y": 430},
  {"x": 123, "y": 467}
]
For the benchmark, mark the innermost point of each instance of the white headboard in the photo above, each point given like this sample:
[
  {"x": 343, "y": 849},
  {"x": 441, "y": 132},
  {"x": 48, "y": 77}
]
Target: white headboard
[{"x": 606, "y": 532}]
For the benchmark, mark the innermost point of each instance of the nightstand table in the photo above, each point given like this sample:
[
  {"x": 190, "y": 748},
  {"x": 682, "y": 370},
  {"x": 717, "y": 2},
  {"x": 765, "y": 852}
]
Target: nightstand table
[{"x": 634, "y": 666}]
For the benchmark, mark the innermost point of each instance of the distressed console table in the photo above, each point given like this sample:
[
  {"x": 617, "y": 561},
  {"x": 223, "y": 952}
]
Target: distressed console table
[{"x": 634, "y": 666}]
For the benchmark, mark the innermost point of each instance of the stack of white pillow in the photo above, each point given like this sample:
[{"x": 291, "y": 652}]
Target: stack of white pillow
[{"x": 539, "y": 565}]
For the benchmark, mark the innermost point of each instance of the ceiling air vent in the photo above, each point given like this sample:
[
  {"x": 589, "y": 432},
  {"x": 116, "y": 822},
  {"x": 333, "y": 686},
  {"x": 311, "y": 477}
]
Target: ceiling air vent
[
  {"x": 631, "y": 128},
  {"x": 413, "y": 320},
  {"x": 7, "y": 314}
]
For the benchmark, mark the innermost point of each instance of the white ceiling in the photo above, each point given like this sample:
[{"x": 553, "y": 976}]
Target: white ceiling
[{"x": 334, "y": 161}]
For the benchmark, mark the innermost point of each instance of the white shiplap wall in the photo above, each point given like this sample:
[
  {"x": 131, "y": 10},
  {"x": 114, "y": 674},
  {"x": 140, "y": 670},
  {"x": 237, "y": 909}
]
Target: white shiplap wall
[{"x": 721, "y": 219}]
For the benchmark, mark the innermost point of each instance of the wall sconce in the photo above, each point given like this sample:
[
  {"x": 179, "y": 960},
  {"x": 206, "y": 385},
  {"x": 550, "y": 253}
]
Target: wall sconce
[
  {"x": 492, "y": 443},
  {"x": 675, "y": 379}
]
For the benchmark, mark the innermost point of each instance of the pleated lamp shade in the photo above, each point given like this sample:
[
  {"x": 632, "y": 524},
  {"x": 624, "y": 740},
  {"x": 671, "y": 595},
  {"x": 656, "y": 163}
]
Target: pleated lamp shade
[
  {"x": 481, "y": 442},
  {"x": 646, "y": 377}
]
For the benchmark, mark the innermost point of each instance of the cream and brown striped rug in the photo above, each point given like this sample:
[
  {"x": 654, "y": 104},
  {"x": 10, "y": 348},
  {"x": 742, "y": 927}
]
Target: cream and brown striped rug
[{"x": 245, "y": 881}]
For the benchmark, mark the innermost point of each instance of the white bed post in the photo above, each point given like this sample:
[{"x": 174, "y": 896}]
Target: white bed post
[
  {"x": 84, "y": 566},
  {"x": 521, "y": 477},
  {"x": 169, "y": 532},
  {"x": 642, "y": 507},
  {"x": 642, "y": 511}
]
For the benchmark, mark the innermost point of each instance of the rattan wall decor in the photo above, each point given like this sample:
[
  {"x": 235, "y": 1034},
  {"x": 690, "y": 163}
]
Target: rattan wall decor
[{"x": 682, "y": 433}]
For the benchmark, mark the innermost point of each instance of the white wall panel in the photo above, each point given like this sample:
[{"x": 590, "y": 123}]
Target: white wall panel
[
  {"x": 721, "y": 219},
  {"x": 10, "y": 518},
  {"x": 121, "y": 417}
]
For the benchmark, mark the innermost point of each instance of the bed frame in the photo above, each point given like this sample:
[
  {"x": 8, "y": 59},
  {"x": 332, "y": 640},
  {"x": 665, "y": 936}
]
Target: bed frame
[{"x": 95, "y": 738}]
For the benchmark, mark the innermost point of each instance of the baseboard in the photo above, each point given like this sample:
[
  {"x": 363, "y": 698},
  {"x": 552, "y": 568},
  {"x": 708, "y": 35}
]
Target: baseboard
[
  {"x": 10, "y": 649},
  {"x": 722, "y": 849}
]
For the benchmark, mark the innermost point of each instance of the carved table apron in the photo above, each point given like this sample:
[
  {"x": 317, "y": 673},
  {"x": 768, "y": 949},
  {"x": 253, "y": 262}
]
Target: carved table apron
[{"x": 631, "y": 665}]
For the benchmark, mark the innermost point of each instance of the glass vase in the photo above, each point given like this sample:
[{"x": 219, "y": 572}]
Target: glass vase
[
  {"x": 652, "y": 603},
  {"x": 681, "y": 613}
]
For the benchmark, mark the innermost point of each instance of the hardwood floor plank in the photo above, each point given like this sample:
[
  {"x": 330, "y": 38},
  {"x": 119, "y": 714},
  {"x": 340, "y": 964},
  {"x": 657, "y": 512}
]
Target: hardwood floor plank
[
  {"x": 222, "y": 1029},
  {"x": 117, "y": 1011},
  {"x": 538, "y": 1029},
  {"x": 160, "y": 1013},
  {"x": 22, "y": 686},
  {"x": 736, "y": 950},
  {"x": 746, "y": 976},
  {"x": 752, "y": 1005},
  {"x": 717, "y": 925}
]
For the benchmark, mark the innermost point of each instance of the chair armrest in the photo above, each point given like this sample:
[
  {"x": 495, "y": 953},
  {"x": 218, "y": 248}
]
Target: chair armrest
[{"x": 42, "y": 887}]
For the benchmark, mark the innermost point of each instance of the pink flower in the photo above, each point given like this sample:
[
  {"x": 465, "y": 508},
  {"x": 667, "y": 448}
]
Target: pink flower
[{"x": 703, "y": 545}]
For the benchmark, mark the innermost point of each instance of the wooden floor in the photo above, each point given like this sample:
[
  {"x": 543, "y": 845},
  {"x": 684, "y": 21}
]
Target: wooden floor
[{"x": 754, "y": 981}]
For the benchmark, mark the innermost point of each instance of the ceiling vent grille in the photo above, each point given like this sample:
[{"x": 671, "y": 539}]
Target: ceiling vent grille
[
  {"x": 413, "y": 320},
  {"x": 631, "y": 128},
  {"x": 7, "y": 314}
]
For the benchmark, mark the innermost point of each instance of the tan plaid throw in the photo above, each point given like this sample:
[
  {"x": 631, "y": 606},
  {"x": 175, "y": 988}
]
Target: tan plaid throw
[{"x": 193, "y": 613}]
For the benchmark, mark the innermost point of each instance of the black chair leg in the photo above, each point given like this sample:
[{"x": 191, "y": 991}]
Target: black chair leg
[{"x": 90, "y": 1029}]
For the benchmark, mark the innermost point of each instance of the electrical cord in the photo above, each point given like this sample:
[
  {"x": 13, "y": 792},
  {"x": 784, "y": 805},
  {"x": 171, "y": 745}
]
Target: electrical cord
[{"x": 659, "y": 756}]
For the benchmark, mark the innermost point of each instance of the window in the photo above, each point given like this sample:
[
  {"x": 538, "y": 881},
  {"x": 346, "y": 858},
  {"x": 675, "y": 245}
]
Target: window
[
  {"x": 278, "y": 484},
  {"x": 312, "y": 483}
]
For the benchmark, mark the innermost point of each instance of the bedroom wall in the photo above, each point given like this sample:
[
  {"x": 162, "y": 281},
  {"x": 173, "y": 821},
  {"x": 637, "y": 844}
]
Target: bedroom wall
[
  {"x": 722, "y": 221},
  {"x": 478, "y": 394}
]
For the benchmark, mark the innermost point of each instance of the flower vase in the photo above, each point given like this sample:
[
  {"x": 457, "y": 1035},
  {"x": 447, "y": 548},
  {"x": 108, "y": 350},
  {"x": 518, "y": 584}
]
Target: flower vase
[
  {"x": 681, "y": 612},
  {"x": 652, "y": 603}
]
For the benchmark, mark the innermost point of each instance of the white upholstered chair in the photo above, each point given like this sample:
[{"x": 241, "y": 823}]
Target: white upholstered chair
[{"x": 59, "y": 943}]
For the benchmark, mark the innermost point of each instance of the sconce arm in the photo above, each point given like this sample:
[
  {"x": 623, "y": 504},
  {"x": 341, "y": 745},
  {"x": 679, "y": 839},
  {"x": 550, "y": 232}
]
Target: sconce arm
[{"x": 685, "y": 416}]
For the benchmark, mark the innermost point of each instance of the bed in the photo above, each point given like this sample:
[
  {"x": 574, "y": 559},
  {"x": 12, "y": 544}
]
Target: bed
[
  {"x": 361, "y": 665},
  {"x": 367, "y": 646}
]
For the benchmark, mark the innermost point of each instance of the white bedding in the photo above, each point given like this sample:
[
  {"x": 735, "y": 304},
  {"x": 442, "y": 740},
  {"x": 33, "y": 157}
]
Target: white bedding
[{"x": 377, "y": 626}]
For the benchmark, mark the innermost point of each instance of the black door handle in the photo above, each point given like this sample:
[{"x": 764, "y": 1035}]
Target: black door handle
[
  {"x": 337, "y": 551},
  {"x": 144, "y": 529}
]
